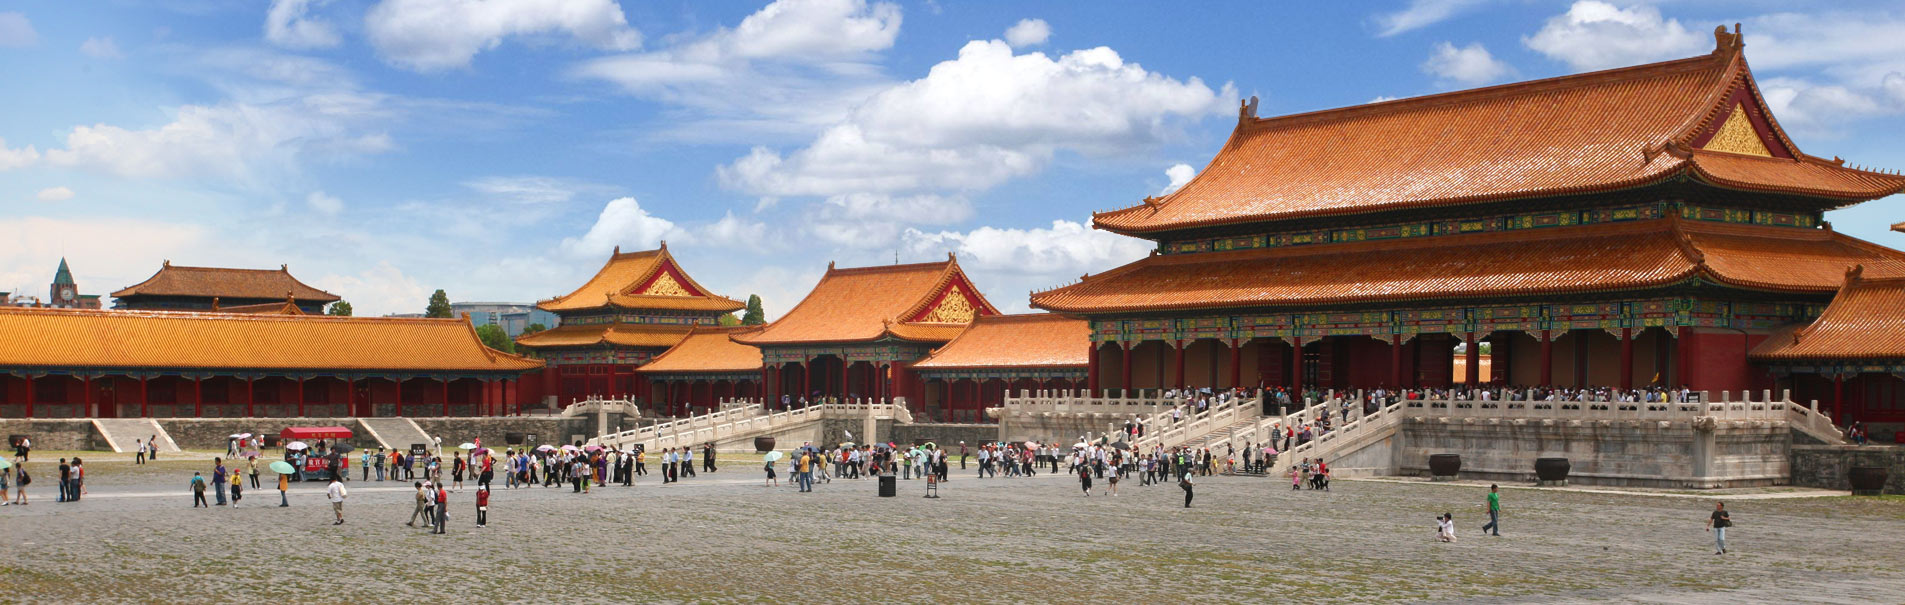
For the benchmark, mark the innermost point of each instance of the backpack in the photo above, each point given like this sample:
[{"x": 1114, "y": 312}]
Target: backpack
[{"x": 25, "y": 479}]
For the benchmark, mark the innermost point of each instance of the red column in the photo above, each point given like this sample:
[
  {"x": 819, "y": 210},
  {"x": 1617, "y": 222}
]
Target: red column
[
  {"x": 1296, "y": 370},
  {"x": 1125, "y": 350},
  {"x": 1683, "y": 357},
  {"x": 879, "y": 376},
  {"x": 302, "y": 397},
  {"x": 251, "y": 396},
  {"x": 1091, "y": 371},
  {"x": 444, "y": 388},
  {"x": 806, "y": 378},
  {"x": 198, "y": 397},
  {"x": 1177, "y": 364},
  {"x": 1473, "y": 373},
  {"x": 145, "y": 399},
  {"x": 31, "y": 394},
  {"x": 1627, "y": 358},
  {"x": 845, "y": 366},
  {"x": 1838, "y": 398},
  {"x": 1395, "y": 361},
  {"x": 1547, "y": 358},
  {"x": 1236, "y": 364},
  {"x": 767, "y": 382}
]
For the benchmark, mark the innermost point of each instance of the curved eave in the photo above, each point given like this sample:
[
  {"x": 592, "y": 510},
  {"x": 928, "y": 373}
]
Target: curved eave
[{"x": 1679, "y": 278}]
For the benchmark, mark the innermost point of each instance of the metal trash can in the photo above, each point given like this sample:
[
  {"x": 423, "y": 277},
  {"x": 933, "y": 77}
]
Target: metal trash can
[{"x": 889, "y": 486}]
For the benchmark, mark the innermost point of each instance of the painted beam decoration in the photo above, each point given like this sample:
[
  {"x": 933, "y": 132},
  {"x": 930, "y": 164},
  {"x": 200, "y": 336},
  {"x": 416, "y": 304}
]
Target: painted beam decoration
[{"x": 880, "y": 351}]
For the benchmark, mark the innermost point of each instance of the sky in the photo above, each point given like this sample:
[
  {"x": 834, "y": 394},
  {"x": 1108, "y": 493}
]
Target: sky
[{"x": 500, "y": 149}]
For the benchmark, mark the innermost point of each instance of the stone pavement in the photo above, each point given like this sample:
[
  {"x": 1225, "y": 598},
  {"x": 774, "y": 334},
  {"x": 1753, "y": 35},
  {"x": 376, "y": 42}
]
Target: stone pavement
[{"x": 725, "y": 538}]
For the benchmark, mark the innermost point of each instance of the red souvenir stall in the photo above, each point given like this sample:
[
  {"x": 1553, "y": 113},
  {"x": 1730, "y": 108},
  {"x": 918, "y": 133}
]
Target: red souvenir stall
[{"x": 315, "y": 465}]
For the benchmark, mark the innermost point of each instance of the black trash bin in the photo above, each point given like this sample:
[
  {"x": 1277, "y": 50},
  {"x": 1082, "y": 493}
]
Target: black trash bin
[{"x": 889, "y": 486}]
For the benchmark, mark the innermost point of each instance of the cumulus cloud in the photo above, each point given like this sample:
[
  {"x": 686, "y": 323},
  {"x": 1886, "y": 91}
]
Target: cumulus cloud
[
  {"x": 874, "y": 220},
  {"x": 324, "y": 203},
  {"x": 624, "y": 223},
  {"x": 1010, "y": 260},
  {"x": 1028, "y": 32},
  {"x": 379, "y": 290},
  {"x": 30, "y": 247},
  {"x": 791, "y": 67},
  {"x": 433, "y": 35},
  {"x": 100, "y": 48},
  {"x": 289, "y": 24},
  {"x": 235, "y": 140},
  {"x": 16, "y": 31},
  {"x": 1597, "y": 35},
  {"x": 55, "y": 194},
  {"x": 1179, "y": 175},
  {"x": 1420, "y": 14},
  {"x": 977, "y": 120},
  {"x": 17, "y": 158},
  {"x": 1469, "y": 65},
  {"x": 735, "y": 232}
]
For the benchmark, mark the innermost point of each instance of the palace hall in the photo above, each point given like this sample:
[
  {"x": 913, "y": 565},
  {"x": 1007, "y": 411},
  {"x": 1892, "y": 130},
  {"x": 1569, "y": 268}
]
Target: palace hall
[{"x": 1648, "y": 225}]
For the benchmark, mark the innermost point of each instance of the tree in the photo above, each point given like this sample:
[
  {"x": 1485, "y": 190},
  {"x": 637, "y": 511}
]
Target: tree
[
  {"x": 533, "y": 328},
  {"x": 727, "y": 319},
  {"x": 494, "y": 337},
  {"x": 439, "y": 305},
  {"x": 754, "y": 316},
  {"x": 340, "y": 308}
]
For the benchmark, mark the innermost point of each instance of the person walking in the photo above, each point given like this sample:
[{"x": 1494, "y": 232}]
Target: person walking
[
  {"x": 284, "y": 485},
  {"x": 66, "y": 482},
  {"x": 707, "y": 457},
  {"x": 482, "y": 505},
  {"x": 238, "y": 488},
  {"x": 1084, "y": 479},
  {"x": 1494, "y": 511},
  {"x": 139, "y": 447},
  {"x": 336, "y": 493},
  {"x": 804, "y": 473},
  {"x": 218, "y": 479},
  {"x": 20, "y": 480},
  {"x": 443, "y": 506},
  {"x": 198, "y": 490},
  {"x": 1717, "y": 523},
  {"x": 1186, "y": 484},
  {"x": 771, "y": 480},
  {"x": 422, "y": 509}
]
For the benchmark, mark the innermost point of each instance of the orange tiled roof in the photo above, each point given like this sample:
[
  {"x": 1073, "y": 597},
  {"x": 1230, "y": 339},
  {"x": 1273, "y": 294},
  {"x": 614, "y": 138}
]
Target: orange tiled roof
[
  {"x": 1866, "y": 321},
  {"x": 650, "y": 279},
  {"x": 1041, "y": 340},
  {"x": 627, "y": 335},
  {"x": 708, "y": 349},
  {"x": 1581, "y": 133},
  {"x": 288, "y": 307},
  {"x": 1900, "y": 227},
  {"x": 163, "y": 339},
  {"x": 1618, "y": 256},
  {"x": 870, "y": 303},
  {"x": 229, "y": 284}
]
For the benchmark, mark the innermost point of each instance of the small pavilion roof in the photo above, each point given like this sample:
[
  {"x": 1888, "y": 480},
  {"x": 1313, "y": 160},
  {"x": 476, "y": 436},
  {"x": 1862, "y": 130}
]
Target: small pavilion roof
[
  {"x": 226, "y": 283},
  {"x": 67, "y": 338},
  {"x": 1595, "y": 258},
  {"x": 621, "y": 334},
  {"x": 1031, "y": 340},
  {"x": 922, "y": 302},
  {"x": 649, "y": 279},
  {"x": 1865, "y": 321},
  {"x": 708, "y": 349},
  {"x": 1700, "y": 118}
]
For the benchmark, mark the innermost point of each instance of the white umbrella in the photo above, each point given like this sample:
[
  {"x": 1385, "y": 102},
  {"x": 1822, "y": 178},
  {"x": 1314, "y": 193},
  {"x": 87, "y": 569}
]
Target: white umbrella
[
  {"x": 467, "y": 446},
  {"x": 546, "y": 448},
  {"x": 295, "y": 445},
  {"x": 243, "y": 435}
]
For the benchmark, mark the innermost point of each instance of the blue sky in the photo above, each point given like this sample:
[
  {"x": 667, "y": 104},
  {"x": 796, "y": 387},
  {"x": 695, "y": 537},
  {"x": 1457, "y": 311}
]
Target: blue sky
[{"x": 499, "y": 149}]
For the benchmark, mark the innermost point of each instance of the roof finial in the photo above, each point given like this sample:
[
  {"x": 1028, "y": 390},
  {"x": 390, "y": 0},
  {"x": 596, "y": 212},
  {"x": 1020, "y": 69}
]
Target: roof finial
[
  {"x": 285, "y": 267},
  {"x": 167, "y": 263},
  {"x": 1723, "y": 41},
  {"x": 618, "y": 249},
  {"x": 1247, "y": 108},
  {"x": 214, "y": 303},
  {"x": 664, "y": 244},
  {"x": 1854, "y": 272}
]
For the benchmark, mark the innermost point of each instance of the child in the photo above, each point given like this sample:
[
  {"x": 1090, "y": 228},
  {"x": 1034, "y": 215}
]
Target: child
[
  {"x": 284, "y": 483},
  {"x": 482, "y": 505},
  {"x": 1445, "y": 527},
  {"x": 238, "y": 487},
  {"x": 198, "y": 490}
]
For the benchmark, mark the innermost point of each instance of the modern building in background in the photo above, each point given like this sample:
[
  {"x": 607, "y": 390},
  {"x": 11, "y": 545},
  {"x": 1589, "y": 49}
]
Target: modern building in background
[{"x": 515, "y": 318}]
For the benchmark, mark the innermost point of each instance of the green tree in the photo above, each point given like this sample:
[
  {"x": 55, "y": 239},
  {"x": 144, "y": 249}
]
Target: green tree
[
  {"x": 340, "y": 308},
  {"x": 727, "y": 319},
  {"x": 533, "y": 328},
  {"x": 439, "y": 305},
  {"x": 494, "y": 337},
  {"x": 754, "y": 316}
]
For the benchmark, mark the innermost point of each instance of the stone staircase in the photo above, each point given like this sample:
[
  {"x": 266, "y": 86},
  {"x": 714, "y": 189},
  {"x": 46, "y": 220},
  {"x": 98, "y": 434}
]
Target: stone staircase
[
  {"x": 123, "y": 433},
  {"x": 1220, "y": 436},
  {"x": 395, "y": 433},
  {"x": 735, "y": 427}
]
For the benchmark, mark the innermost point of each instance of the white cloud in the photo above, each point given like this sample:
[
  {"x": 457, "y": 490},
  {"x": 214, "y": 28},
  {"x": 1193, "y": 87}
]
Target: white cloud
[
  {"x": 1381, "y": 98},
  {"x": 17, "y": 158},
  {"x": 980, "y": 119},
  {"x": 735, "y": 232},
  {"x": 240, "y": 141},
  {"x": 16, "y": 31},
  {"x": 289, "y": 24},
  {"x": 431, "y": 35},
  {"x": 533, "y": 190},
  {"x": 100, "y": 48},
  {"x": 1420, "y": 14},
  {"x": 55, "y": 194},
  {"x": 380, "y": 290},
  {"x": 32, "y": 246},
  {"x": 873, "y": 220},
  {"x": 624, "y": 223},
  {"x": 1011, "y": 261},
  {"x": 324, "y": 203},
  {"x": 1028, "y": 32},
  {"x": 1469, "y": 65},
  {"x": 1179, "y": 175},
  {"x": 790, "y": 68},
  {"x": 1597, "y": 35}
]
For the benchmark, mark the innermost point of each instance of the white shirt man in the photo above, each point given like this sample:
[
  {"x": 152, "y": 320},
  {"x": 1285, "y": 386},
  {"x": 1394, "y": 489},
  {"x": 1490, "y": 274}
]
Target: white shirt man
[{"x": 336, "y": 493}]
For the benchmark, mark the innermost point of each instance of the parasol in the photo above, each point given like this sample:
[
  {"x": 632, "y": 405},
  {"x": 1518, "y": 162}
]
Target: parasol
[
  {"x": 847, "y": 444},
  {"x": 283, "y": 468},
  {"x": 295, "y": 445},
  {"x": 4, "y": 465},
  {"x": 773, "y": 457},
  {"x": 592, "y": 448},
  {"x": 1121, "y": 445},
  {"x": 467, "y": 447},
  {"x": 545, "y": 448},
  {"x": 343, "y": 448}
]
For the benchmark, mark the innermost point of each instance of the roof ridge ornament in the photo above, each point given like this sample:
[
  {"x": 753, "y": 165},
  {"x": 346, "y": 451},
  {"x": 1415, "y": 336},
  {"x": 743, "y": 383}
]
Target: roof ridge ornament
[
  {"x": 1854, "y": 273},
  {"x": 1724, "y": 42},
  {"x": 1247, "y": 109}
]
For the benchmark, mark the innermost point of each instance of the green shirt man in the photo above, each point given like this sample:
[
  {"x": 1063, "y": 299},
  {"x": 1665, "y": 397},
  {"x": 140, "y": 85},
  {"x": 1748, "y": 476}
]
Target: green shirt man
[{"x": 1494, "y": 511}]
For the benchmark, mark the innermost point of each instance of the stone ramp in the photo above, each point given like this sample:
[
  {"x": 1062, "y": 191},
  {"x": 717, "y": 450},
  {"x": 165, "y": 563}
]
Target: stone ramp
[
  {"x": 1223, "y": 435},
  {"x": 123, "y": 433},
  {"x": 395, "y": 433}
]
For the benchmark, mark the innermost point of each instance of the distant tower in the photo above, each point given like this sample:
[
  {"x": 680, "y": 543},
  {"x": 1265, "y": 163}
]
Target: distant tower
[{"x": 64, "y": 293}]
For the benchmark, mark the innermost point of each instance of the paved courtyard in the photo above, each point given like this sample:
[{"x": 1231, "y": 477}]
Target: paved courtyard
[{"x": 724, "y": 538}]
